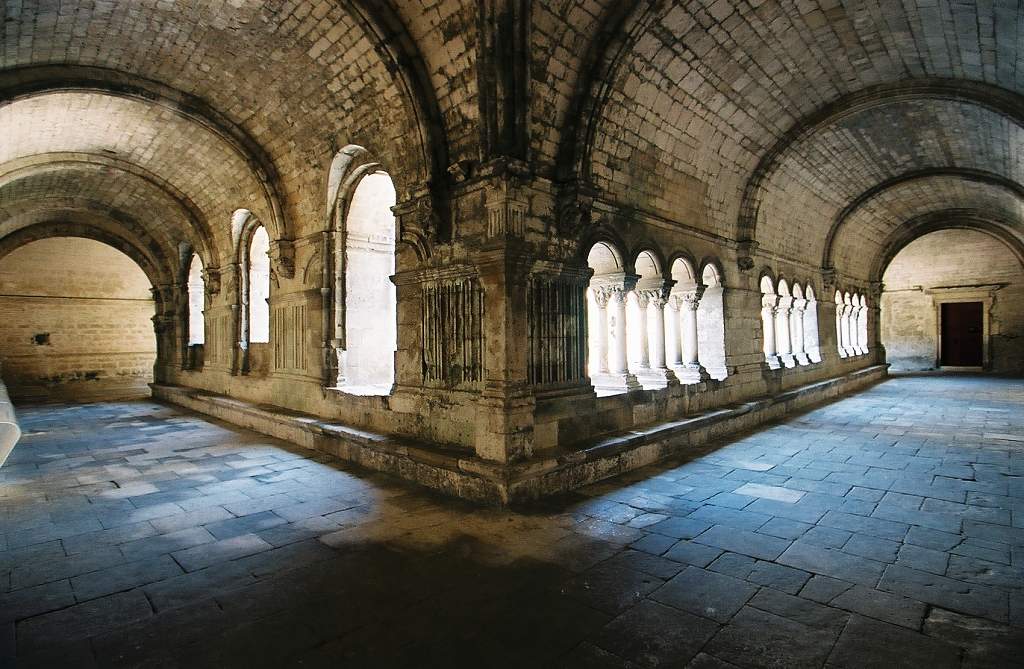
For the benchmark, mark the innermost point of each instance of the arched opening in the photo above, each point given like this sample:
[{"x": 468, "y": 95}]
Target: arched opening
[
  {"x": 259, "y": 286},
  {"x": 711, "y": 324},
  {"x": 366, "y": 362},
  {"x": 812, "y": 345},
  {"x": 195, "y": 321},
  {"x": 682, "y": 336},
  {"x": 645, "y": 323},
  {"x": 76, "y": 322},
  {"x": 607, "y": 363},
  {"x": 945, "y": 310},
  {"x": 769, "y": 301}
]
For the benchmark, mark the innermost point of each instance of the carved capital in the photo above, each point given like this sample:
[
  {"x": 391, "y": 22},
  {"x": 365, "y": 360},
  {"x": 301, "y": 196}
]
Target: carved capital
[
  {"x": 574, "y": 210},
  {"x": 282, "y": 258},
  {"x": 691, "y": 298},
  {"x": 418, "y": 223},
  {"x": 506, "y": 208},
  {"x": 828, "y": 280},
  {"x": 745, "y": 253},
  {"x": 211, "y": 277}
]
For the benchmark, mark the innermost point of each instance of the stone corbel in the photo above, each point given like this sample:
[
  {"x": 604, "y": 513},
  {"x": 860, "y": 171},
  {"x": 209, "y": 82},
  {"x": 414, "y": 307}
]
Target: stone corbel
[
  {"x": 418, "y": 223},
  {"x": 574, "y": 209},
  {"x": 828, "y": 282},
  {"x": 282, "y": 258},
  {"x": 211, "y": 277},
  {"x": 745, "y": 253}
]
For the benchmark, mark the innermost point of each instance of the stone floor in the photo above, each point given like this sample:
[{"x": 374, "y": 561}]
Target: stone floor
[{"x": 886, "y": 529}]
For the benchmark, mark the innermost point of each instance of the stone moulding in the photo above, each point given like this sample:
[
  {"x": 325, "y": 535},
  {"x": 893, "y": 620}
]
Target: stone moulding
[{"x": 457, "y": 473}]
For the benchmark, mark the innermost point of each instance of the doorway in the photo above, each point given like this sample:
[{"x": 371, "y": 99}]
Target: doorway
[{"x": 961, "y": 334}]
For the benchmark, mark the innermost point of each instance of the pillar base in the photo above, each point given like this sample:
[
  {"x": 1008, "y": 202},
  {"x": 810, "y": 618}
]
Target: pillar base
[
  {"x": 616, "y": 382},
  {"x": 656, "y": 377},
  {"x": 773, "y": 362},
  {"x": 802, "y": 359},
  {"x": 788, "y": 361},
  {"x": 692, "y": 374}
]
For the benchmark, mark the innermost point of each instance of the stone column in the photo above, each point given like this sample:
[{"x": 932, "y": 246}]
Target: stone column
[
  {"x": 617, "y": 351},
  {"x": 618, "y": 378},
  {"x": 657, "y": 374},
  {"x": 643, "y": 301},
  {"x": 673, "y": 350},
  {"x": 504, "y": 416},
  {"x": 688, "y": 303},
  {"x": 657, "y": 333},
  {"x": 783, "y": 341},
  {"x": 768, "y": 303},
  {"x": 600, "y": 326},
  {"x": 862, "y": 339},
  {"x": 796, "y": 328}
]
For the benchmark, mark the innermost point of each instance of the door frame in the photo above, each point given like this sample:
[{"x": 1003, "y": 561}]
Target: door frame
[{"x": 984, "y": 294}]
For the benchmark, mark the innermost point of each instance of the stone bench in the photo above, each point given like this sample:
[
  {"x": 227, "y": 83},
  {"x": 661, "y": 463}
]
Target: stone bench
[{"x": 10, "y": 432}]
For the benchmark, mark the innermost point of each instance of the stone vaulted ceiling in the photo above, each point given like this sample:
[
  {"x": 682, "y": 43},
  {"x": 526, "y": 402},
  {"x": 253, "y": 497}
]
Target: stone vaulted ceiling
[{"x": 816, "y": 128}]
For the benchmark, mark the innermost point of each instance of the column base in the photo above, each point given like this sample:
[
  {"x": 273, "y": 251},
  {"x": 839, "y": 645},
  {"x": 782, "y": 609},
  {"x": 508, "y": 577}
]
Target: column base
[
  {"x": 656, "y": 377},
  {"x": 616, "y": 382},
  {"x": 773, "y": 362},
  {"x": 802, "y": 359},
  {"x": 788, "y": 361},
  {"x": 688, "y": 374}
]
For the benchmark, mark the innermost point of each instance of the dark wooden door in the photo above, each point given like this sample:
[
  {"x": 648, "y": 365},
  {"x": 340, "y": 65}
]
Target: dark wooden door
[{"x": 961, "y": 334}]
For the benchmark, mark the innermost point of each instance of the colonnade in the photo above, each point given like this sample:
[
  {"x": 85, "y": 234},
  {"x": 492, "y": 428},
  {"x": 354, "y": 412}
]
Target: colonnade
[
  {"x": 851, "y": 324},
  {"x": 789, "y": 322}
]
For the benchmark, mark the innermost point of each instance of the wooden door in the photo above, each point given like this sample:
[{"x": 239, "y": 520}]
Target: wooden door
[{"x": 961, "y": 334}]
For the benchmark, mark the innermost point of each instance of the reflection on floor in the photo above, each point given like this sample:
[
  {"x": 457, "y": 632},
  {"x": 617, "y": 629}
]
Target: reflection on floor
[{"x": 885, "y": 528}]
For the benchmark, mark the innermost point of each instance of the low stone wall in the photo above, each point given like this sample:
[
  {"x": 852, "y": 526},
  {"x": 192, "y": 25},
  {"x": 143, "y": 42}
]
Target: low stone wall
[
  {"x": 451, "y": 472},
  {"x": 10, "y": 431}
]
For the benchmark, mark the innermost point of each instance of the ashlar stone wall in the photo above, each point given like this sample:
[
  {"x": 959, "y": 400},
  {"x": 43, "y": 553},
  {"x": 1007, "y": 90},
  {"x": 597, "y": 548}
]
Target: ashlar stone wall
[
  {"x": 78, "y": 328},
  {"x": 945, "y": 264}
]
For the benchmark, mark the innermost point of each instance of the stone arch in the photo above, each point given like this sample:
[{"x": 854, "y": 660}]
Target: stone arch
[
  {"x": 155, "y": 269},
  {"x": 946, "y": 220},
  {"x": 249, "y": 230},
  {"x": 42, "y": 164},
  {"x": 978, "y": 176},
  {"x": 365, "y": 300},
  {"x": 31, "y": 81},
  {"x": 988, "y": 96}
]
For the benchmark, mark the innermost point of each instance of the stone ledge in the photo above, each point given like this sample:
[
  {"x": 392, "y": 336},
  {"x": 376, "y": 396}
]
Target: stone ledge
[{"x": 458, "y": 473}]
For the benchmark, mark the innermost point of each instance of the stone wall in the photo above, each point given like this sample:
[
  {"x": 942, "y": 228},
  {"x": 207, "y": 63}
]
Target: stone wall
[
  {"x": 75, "y": 321},
  {"x": 945, "y": 263}
]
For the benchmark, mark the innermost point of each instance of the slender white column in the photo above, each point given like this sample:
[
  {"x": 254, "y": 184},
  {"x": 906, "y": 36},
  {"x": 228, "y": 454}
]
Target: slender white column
[
  {"x": 643, "y": 301},
  {"x": 796, "y": 330},
  {"x": 673, "y": 352},
  {"x": 862, "y": 334},
  {"x": 601, "y": 331},
  {"x": 847, "y": 345},
  {"x": 691, "y": 354},
  {"x": 768, "y": 303},
  {"x": 657, "y": 332},
  {"x": 617, "y": 356},
  {"x": 782, "y": 338}
]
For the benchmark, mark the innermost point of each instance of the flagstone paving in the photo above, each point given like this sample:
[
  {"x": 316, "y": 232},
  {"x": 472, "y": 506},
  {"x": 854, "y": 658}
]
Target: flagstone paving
[{"x": 885, "y": 529}]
